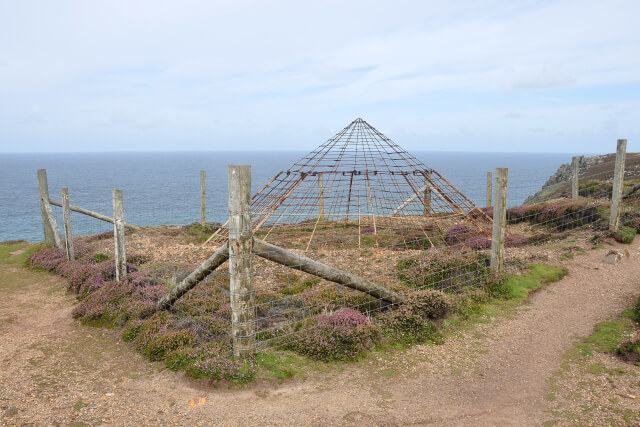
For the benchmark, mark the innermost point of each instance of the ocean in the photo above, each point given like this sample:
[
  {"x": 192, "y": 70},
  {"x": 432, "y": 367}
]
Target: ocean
[{"x": 164, "y": 187}]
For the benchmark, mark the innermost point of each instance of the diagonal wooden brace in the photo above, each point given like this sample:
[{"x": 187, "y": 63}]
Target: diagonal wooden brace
[
  {"x": 302, "y": 263},
  {"x": 214, "y": 261}
]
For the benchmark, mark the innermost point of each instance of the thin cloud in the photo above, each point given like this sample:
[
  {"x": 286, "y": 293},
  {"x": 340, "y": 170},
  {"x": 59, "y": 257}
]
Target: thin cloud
[{"x": 168, "y": 71}]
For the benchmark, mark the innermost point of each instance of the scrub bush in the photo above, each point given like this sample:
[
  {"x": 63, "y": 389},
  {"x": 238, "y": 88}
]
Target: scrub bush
[
  {"x": 444, "y": 270},
  {"x": 343, "y": 335}
]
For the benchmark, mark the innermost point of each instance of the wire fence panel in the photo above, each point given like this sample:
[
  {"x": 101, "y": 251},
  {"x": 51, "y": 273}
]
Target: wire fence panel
[{"x": 357, "y": 224}]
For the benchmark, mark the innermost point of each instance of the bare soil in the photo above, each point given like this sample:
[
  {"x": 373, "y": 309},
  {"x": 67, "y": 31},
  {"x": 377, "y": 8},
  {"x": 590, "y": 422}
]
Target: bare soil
[{"x": 57, "y": 372}]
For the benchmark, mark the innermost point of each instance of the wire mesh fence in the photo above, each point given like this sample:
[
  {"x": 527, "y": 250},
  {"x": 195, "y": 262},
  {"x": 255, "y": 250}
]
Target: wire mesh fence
[{"x": 358, "y": 224}]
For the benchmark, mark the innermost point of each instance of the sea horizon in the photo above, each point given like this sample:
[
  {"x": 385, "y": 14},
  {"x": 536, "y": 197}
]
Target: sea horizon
[{"x": 163, "y": 187}]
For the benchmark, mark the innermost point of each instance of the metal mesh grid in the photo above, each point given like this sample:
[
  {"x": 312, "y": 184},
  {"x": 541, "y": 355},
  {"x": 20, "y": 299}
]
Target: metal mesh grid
[
  {"x": 362, "y": 179},
  {"x": 356, "y": 203}
]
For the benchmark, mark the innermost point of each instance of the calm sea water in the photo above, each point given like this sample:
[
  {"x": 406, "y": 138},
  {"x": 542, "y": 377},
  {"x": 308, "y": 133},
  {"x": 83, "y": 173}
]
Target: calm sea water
[{"x": 164, "y": 188}]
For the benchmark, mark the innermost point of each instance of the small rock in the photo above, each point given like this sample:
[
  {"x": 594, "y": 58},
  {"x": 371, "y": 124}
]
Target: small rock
[
  {"x": 615, "y": 256},
  {"x": 10, "y": 412}
]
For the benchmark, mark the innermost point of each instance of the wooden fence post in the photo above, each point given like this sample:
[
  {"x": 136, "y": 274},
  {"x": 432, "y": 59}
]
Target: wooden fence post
[
  {"x": 203, "y": 198},
  {"x": 427, "y": 193},
  {"x": 66, "y": 215},
  {"x": 618, "y": 181},
  {"x": 575, "y": 171},
  {"x": 489, "y": 188},
  {"x": 321, "y": 194},
  {"x": 240, "y": 261},
  {"x": 48, "y": 226},
  {"x": 118, "y": 235},
  {"x": 499, "y": 220}
]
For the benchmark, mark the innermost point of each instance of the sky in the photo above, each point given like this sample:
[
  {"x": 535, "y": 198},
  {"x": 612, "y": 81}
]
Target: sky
[{"x": 541, "y": 76}]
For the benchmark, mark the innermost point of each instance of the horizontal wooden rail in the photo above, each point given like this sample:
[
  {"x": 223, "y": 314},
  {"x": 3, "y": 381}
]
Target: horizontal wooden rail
[{"x": 93, "y": 214}]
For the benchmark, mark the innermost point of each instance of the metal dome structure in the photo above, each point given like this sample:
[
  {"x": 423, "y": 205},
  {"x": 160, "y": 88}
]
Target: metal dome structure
[{"x": 361, "y": 179}]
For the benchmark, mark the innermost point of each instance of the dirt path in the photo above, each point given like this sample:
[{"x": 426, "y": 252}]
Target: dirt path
[{"x": 54, "y": 371}]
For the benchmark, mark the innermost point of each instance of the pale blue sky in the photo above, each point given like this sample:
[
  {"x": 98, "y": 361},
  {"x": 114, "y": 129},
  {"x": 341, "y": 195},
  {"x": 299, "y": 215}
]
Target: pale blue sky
[{"x": 220, "y": 75}]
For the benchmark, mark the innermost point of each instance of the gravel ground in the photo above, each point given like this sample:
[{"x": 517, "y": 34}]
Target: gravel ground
[{"x": 56, "y": 372}]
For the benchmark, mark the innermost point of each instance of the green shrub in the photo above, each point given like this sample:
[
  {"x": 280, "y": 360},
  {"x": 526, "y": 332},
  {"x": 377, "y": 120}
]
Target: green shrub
[
  {"x": 180, "y": 359},
  {"x": 343, "y": 335},
  {"x": 137, "y": 259},
  {"x": 405, "y": 326},
  {"x": 428, "y": 304},
  {"x": 444, "y": 270},
  {"x": 470, "y": 303},
  {"x": 201, "y": 232},
  {"x": 131, "y": 330},
  {"x": 558, "y": 215},
  {"x": 116, "y": 302},
  {"x": 629, "y": 350},
  {"x": 317, "y": 298},
  {"x": 151, "y": 327},
  {"x": 594, "y": 188},
  {"x": 164, "y": 343},
  {"x": 214, "y": 361},
  {"x": 635, "y": 312},
  {"x": 98, "y": 258},
  {"x": 411, "y": 322},
  {"x": 295, "y": 287}
]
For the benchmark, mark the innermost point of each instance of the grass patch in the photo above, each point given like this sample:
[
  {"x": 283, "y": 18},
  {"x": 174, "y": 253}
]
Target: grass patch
[
  {"x": 608, "y": 335},
  {"x": 79, "y": 405},
  {"x": 279, "y": 365},
  {"x": 499, "y": 297},
  {"x": 583, "y": 363},
  {"x": 625, "y": 235},
  {"x": 98, "y": 258},
  {"x": 597, "y": 368},
  {"x": 201, "y": 232},
  {"x": 520, "y": 286},
  {"x": 21, "y": 249}
]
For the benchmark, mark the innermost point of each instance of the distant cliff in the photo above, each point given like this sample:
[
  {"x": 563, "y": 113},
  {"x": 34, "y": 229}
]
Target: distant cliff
[{"x": 594, "y": 168}]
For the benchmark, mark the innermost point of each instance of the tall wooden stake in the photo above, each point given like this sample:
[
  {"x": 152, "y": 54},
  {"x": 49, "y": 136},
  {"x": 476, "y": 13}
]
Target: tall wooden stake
[
  {"x": 575, "y": 171},
  {"x": 321, "y": 195},
  {"x": 47, "y": 225},
  {"x": 373, "y": 213},
  {"x": 618, "y": 181},
  {"x": 118, "y": 235},
  {"x": 66, "y": 215},
  {"x": 427, "y": 193},
  {"x": 489, "y": 188},
  {"x": 359, "y": 240},
  {"x": 240, "y": 261},
  {"x": 499, "y": 220},
  {"x": 203, "y": 198}
]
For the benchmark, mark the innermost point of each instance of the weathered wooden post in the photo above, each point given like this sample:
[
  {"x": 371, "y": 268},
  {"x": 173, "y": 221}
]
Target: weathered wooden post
[
  {"x": 49, "y": 224},
  {"x": 321, "y": 195},
  {"x": 427, "y": 193},
  {"x": 118, "y": 235},
  {"x": 203, "y": 197},
  {"x": 359, "y": 233},
  {"x": 489, "y": 188},
  {"x": 618, "y": 181},
  {"x": 66, "y": 215},
  {"x": 575, "y": 171},
  {"x": 240, "y": 261},
  {"x": 499, "y": 220}
]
